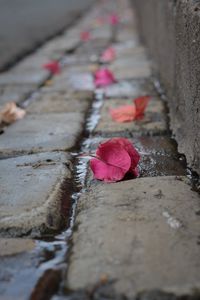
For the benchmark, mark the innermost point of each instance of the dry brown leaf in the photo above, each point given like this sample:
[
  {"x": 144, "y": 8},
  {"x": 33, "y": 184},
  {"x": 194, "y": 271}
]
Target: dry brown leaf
[{"x": 11, "y": 113}]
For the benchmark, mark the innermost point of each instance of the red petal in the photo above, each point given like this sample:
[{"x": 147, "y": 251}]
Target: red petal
[
  {"x": 128, "y": 146},
  {"x": 108, "y": 173},
  {"x": 141, "y": 104},
  {"x": 53, "y": 66},
  {"x": 125, "y": 113},
  {"x": 114, "y": 155}
]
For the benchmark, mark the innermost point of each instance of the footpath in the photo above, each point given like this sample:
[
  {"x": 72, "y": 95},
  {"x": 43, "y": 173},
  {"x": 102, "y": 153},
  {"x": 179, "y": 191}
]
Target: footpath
[{"x": 64, "y": 234}]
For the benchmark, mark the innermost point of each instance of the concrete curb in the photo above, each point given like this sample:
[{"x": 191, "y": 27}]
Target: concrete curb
[{"x": 171, "y": 31}]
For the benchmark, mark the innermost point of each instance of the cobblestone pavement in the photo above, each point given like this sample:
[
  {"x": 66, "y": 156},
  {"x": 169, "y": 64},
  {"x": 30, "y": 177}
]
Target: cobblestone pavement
[{"x": 135, "y": 239}]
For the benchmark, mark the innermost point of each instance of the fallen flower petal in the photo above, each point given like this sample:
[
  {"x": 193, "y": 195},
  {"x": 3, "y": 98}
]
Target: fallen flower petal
[
  {"x": 108, "y": 55},
  {"x": 85, "y": 36},
  {"x": 134, "y": 155},
  {"x": 103, "y": 77},
  {"x": 53, "y": 66},
  {"x": 141, "y": 104},
  {"x": 128, "y": 113},
  {"x": 11, "y": 113},
  {"x": 125, "y": 113},
  {"x": 114, "y": 159},
  {"x": 113, "y": 19}
]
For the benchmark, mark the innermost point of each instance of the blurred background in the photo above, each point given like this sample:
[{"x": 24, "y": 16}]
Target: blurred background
[{"x": 25, "y": 24}]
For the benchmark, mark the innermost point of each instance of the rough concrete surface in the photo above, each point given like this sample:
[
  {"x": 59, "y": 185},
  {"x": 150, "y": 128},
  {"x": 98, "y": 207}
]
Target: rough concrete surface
[
  {"x": 32, "y": 193},
  {"x": 171, "y": 31},
  {"x": 42, "y": 132},
  {"x": 131, "y": 232}
]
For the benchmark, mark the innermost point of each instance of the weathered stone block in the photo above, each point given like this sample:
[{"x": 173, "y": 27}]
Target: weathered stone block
[
  {"x": 32, "y": 189},
  {"x": 59, "y": 103},
  {"x": 40, "y": 133},
  {"x": 141, "y": 235}
]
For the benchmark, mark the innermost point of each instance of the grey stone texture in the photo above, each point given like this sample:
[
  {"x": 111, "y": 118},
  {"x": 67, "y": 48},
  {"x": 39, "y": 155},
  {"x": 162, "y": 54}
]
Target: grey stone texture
[
  {"x": 42, "y": 132},
  {"x": 59, "y": 103},
  {"x": 140, "y": 235},
  {"x": 171, "y": 31},
  {"x": 32, "y": 189}
]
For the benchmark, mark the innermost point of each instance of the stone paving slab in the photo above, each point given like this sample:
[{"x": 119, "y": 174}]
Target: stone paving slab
[
  {"x": 58, "y": 103},
  {"x": 130, "y": 89},
  {"x": 14, "y": 93},
  {"x": 70, "y": 83},
  {"x": 60, "y": 45},
  {"x": 13, "y": 246},
  {"x": 32, "y": 189},
  {"x": 95, "y": 46},
  {"x": 154, "y": 120},
  {"x": 139, "y": 70},
  {"x": 40, "y": 133},
  {"x": 140, "y": 235},
  {"x": 34, "y": 78}
]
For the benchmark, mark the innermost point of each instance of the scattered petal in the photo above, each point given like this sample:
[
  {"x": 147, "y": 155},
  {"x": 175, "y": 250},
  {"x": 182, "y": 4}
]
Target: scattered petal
[
  {"x": 141, "y": 104},
  {"x": 11, "y": 113},
  {"x": 53, "y": 66},
  {"x": 114, "y": 159},
  {"x": 113, "y": 19},
  {"x": 85, "y": 36},
  {"x": 125, "y": 113},
  {"x": 129, "y": 113},
  {"x": 108, "y": 55},
  {"x": 103, "y": 77}
]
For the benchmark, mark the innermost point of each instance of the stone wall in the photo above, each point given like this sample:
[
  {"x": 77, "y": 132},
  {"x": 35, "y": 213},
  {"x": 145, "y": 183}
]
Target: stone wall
[{"x": 171, "y": 30}]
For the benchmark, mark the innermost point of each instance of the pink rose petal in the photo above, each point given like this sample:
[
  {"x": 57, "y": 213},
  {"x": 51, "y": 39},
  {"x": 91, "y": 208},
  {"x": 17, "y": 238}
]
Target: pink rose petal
[
  {"x": 114, "y": 159},
  {"x": 103, "y": 77}
]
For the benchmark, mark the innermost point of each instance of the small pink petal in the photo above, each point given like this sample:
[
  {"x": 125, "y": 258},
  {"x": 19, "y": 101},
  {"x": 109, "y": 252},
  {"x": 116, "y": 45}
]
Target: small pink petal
[
  {"x": 108, "y": 55},
  {"x": 85, "y": 36},
  {"x": 113, "y": 19},
  {"x": 53, "y": 66},
  {"x": 103, "y": 77},
  {"x": 125, "y": 113}
]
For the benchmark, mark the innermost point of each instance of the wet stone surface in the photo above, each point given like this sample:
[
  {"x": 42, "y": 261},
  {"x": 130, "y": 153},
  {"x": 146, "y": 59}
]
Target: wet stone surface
[
  {"x": 42, "y": 132},
  {"x": 153, "y": 122},
  {"x": 159, "y": 157},
  {"x": 131, "y": 228},
  {"x": 33, "y": 191}
]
